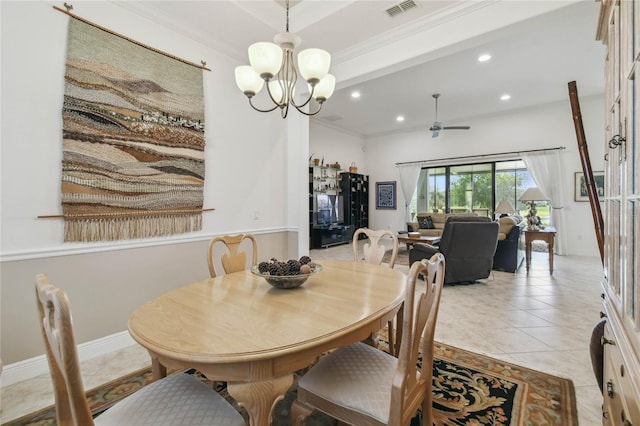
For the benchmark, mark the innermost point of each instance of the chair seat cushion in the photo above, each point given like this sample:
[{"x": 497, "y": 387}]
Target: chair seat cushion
[
  {"x": 179, "y": 399},
  {"x": 357, "y": 376}
]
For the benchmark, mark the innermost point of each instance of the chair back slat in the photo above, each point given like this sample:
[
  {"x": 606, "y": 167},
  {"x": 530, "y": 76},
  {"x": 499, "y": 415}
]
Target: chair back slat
[
  {"x": 228, "y": 253},
  {"x": 374, "y": 250}
]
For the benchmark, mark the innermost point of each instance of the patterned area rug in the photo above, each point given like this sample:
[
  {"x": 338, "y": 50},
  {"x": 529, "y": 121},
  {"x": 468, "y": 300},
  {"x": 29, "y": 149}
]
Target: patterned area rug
[{"x": 468, "y": 389}]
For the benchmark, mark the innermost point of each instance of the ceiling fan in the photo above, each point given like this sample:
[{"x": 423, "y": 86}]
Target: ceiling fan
[{"x": 437, "y": 126}]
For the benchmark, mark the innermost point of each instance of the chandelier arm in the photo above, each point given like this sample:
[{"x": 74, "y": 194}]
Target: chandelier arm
[
  {"x": 280, "y": 80},
  {"x": 277, "y": 104},
  {"x": 309, "y": 113},
  {"x": 305, "y": 102},
  {"x": 261, "y": 110},
  {"x": 284, "y": 111}
]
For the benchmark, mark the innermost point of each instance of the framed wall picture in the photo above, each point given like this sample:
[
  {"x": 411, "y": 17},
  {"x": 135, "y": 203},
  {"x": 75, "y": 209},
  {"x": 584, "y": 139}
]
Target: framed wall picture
[
  {"x": 386, "y": 195},
  {"x": 580, "y": 189}
]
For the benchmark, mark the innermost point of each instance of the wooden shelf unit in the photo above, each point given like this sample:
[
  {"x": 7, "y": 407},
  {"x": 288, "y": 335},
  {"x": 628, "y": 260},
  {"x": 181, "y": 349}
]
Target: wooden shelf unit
[{"x": 619, "y": 29}]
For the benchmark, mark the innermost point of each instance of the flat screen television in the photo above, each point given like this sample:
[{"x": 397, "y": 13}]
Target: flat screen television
[
  {"x": 329, "y": 209},
  {"x": 324, "y": 217}
]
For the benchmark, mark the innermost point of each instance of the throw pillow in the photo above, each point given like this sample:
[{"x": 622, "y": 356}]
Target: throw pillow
[{"x": 426, "y": 222}]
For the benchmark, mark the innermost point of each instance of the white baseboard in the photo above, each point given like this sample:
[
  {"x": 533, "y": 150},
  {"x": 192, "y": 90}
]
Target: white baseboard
[{"x": 36, "y": 366}]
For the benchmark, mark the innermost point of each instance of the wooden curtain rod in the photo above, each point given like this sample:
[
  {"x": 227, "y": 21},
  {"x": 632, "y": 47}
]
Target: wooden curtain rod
[
  {"x": 73, "y": 15},
  {"x": 123, "y": 214},
  {"x": 479, "y": 156}
]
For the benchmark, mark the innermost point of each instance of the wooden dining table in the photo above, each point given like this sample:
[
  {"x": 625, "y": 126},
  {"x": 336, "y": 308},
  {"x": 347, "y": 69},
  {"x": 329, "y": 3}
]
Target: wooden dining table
[{"x": 239, "y": 329}]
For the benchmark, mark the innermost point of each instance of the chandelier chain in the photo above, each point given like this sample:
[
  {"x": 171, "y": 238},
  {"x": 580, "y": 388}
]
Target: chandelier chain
[{"x": 287, "y": 26}]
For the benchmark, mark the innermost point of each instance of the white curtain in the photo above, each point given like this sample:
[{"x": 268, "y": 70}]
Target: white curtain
[
  {"x": 408, "y": 180},
  {"x": 546, "y": 172}
]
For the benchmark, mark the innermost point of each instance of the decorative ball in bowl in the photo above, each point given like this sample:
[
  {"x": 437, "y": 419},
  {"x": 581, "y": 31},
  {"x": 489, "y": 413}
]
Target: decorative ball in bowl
[{"x": 289, "y": 274}]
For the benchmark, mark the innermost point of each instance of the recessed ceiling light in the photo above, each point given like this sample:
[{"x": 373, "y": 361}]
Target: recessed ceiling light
[
  {"x": 484, "y": 57},
  {"x": 355, "y": 94},
  {"x": 505, "y": 97},
  {"x": 400, "y": 118}
]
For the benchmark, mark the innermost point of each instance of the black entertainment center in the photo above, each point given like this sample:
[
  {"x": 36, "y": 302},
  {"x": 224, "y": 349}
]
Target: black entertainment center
[
  {"x": 338, "y": 205},
  {"x": 330, "y": 235}
]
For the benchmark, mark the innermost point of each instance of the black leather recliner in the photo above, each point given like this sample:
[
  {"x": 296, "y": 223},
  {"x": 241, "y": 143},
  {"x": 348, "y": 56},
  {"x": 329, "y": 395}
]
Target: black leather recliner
[{"x": 468, "y": 245}]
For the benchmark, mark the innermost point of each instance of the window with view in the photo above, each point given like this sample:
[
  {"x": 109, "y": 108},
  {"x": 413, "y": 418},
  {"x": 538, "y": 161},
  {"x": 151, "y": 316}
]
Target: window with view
[{"x": 475, "y": 188}]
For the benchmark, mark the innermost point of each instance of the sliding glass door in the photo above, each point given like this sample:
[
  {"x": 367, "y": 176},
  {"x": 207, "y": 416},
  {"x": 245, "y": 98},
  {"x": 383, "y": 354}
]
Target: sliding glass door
[
  {"x": 474, "y": 188},
  {"x": 471, "y": 189}
]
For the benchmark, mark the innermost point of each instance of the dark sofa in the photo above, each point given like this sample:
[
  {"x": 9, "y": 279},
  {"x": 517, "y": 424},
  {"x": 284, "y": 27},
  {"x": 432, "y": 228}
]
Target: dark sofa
[
  {"x": 510, "y": 251},
  {"x": 468, "y": 245}
]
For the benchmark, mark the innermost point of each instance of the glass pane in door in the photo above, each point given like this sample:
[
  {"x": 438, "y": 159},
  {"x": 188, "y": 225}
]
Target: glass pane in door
[{"x": 471, "y": 189}]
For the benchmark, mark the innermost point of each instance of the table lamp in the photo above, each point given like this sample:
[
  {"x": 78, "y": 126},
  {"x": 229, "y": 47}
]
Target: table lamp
[
  {"x": 504, "y": 208},
  {"x": 532, "y": 195}
]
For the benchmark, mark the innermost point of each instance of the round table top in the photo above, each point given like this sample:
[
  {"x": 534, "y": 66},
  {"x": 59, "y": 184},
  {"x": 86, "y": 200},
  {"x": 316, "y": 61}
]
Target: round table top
[{"x": 240, "y": 317}]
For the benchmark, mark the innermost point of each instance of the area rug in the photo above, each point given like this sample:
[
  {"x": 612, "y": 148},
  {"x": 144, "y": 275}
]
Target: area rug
[{"x": 468, "y": 389}]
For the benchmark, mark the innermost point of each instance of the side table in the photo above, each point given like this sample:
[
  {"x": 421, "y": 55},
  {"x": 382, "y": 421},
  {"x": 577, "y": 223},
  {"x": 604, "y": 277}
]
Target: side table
[{"x": 548, "y": 235}]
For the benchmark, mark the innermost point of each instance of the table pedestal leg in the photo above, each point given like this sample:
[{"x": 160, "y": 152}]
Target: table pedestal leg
[
  {"x": 528, "y": 254},
  {"x": 158, "y": 371},
  {"x": 259, "y": 398}
]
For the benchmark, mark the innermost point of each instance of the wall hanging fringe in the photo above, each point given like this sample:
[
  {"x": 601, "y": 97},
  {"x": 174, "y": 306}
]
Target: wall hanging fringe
[
  {"x": 73, "y": 15},
  {"x": 111, "y": 229}
]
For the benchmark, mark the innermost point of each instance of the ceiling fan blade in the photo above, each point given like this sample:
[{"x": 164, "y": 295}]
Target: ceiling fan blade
[{"x": 456, "y": 127}]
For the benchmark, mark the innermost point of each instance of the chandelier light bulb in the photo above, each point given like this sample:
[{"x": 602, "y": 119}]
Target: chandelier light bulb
[
  {"x": 265, "y": 59},
  {"x": 248, "y": 80}
]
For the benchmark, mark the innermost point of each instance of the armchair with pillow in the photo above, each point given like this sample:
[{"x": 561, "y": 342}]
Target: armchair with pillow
[
  {"x": 509, "y": 252},
  {"x": 468, "y": 245}
]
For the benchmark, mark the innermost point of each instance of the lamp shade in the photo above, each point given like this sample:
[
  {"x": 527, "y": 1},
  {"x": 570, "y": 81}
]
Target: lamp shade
[
  {"x": 248, "y": 80},
  {"x": 314, "y": 64},
  {"x": 324, "y": 89},
  {"x": 265, "y": 58},
  {"x": 533, "y": 194},
  {"x": 504, "y": 207}
]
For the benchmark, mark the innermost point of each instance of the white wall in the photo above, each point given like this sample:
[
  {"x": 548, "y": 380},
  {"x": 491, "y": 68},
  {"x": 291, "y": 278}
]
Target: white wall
[
  {"x": 534, "y": 128},
  {"x": 337, "y": 145}
]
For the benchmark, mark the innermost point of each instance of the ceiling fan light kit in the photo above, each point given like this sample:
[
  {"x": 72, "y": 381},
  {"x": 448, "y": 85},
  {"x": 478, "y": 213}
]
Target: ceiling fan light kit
[
  {"x": 437, "y": 126},
  {"x": 274, "y": 64}
]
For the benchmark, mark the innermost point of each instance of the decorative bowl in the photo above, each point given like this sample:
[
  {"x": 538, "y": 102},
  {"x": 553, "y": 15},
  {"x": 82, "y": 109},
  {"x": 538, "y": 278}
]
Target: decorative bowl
[{"x": 286, "y": 281}]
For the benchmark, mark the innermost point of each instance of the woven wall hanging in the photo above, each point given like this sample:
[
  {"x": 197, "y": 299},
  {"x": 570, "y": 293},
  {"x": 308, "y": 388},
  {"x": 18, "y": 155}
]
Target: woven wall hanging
[{"x": 133, "y": 139}]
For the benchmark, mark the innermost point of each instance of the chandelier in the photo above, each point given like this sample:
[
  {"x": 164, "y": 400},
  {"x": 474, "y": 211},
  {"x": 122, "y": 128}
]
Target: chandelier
[{"x": 273, "y": 64}]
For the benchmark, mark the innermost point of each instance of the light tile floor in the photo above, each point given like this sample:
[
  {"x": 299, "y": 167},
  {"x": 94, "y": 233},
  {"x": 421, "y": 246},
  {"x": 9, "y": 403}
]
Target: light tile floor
[{"x": 533, "y": 319}]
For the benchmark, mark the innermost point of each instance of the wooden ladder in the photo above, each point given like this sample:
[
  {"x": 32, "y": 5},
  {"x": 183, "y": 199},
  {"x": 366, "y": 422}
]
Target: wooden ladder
[{"x": 592, "y": 191}]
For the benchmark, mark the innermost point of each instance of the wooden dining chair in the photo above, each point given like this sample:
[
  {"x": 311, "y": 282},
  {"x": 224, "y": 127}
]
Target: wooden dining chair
[
  {"x": 227, "y": 253},
  {"x": 361, "y": 385},
  {"x": 373, "y": 252},
  {"x": 177, "y": 399}
]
